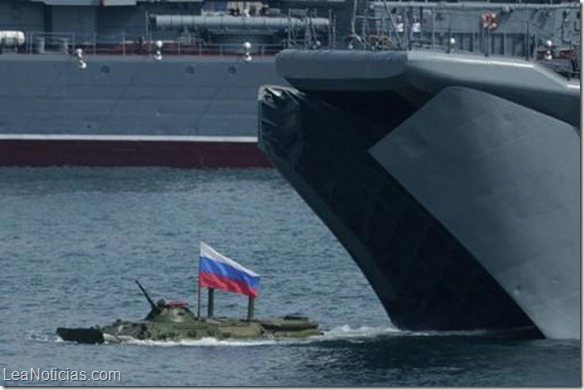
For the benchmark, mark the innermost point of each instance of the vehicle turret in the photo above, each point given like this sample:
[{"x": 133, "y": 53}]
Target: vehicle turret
[
  {"x": 172, "y": 312},
  {"x": 162, "y": 311}
]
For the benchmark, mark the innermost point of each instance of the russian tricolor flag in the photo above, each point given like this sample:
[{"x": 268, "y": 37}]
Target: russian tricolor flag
[{"x": 218, "y": 271}]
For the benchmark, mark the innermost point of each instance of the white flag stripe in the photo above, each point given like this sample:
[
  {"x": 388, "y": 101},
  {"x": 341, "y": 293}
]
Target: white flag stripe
[{"x": 207, "y": 251}]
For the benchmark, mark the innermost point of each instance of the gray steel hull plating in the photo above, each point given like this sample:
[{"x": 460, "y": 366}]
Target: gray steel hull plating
[
  {"x": 455, "y": 194},
  {"x": 51, "y": 112}
]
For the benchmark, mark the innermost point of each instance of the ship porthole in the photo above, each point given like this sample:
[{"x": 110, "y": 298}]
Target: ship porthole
[
  {"x": 232, "y": 69},
  {"x": 190, "y": 69},
  {"x": 105, "y": 69}
]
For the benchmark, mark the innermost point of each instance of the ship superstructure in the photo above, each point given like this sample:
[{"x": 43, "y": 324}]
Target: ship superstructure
[{"x": 446, "y": 160}]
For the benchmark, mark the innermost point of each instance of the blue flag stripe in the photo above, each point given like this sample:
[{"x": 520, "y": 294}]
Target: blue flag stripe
[{"x": 225, "y": 270}]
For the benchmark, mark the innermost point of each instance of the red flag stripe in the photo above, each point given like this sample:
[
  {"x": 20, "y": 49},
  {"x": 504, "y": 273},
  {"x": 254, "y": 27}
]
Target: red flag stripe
[{"x": 207, "y": 279}]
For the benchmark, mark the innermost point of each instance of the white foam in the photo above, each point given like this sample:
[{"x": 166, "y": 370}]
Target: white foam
[
  {"x": 448, "y": 333},
  {"x": 364, "y": 332},
  {"x": 345, "y": 331},
  {"x": 43, "y": 337},
  {"x": 205, "y": 342}
]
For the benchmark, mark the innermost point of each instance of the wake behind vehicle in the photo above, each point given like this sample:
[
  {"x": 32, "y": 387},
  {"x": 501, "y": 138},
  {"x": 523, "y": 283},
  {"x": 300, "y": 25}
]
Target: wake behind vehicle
[{"x": 174, "y": 321}]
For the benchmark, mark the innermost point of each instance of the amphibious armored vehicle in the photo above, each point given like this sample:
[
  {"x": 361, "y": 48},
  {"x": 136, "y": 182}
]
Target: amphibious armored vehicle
[{"x": 174, "y": 321}]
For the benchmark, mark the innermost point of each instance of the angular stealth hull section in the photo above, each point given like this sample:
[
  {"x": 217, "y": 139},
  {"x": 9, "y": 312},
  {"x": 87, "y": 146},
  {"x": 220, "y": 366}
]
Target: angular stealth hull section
[
  {"x": 505, "y": 181},
  {"x": 458, "y": 199}
]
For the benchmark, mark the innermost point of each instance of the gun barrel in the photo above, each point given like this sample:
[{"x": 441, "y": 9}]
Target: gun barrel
[{"x": 150, "y": 301}]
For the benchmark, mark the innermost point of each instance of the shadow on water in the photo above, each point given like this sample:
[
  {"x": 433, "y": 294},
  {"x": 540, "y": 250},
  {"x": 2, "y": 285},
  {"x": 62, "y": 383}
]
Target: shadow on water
[{"x": 445, "y": 360}]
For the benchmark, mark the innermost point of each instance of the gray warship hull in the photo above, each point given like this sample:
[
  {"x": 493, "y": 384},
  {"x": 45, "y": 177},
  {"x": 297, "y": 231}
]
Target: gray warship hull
[
  {"x": 453, "y": 181},
  {"x": 188, "y": 111}
]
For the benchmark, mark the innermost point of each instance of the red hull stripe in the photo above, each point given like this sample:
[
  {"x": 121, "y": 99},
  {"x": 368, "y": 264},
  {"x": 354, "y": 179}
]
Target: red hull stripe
[
  {"x": 126, "y": 152},
  {"x": 207, "y": 279}
]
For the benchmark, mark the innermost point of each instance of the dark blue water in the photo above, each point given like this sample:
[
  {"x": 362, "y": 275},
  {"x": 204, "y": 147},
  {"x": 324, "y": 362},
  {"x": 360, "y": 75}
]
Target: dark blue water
[{"x": 72, "y": 241}]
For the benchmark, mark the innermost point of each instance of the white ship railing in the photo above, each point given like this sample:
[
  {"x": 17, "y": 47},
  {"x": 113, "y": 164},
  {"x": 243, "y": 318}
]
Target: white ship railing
[{"x": 66, "y": 43}]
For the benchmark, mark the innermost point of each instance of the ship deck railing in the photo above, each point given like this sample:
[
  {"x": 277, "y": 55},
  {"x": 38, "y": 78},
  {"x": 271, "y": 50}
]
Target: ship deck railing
[{"x": 39, "y": 43}]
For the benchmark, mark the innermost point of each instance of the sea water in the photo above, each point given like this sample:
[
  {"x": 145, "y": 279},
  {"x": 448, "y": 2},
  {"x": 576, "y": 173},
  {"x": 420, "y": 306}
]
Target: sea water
[{"x": 73, "y": 240}]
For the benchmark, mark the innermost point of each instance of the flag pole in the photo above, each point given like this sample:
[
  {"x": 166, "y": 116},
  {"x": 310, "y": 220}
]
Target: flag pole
[
  {"x": 199, "y": 297},
  {"x": 199, "y": 285},
  {"x": 250, "y": 303},
  {"x": 211, "y": 302}
]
